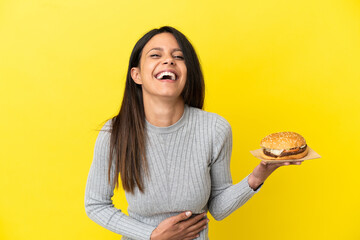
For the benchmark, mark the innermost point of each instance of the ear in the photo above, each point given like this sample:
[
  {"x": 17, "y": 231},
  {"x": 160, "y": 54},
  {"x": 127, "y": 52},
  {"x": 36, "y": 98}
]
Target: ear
[{"x": 135, "y": 75}]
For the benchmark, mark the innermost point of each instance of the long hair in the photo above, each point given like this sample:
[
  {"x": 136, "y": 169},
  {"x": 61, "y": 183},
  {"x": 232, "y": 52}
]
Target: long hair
[{"x": 128, "y": 135}]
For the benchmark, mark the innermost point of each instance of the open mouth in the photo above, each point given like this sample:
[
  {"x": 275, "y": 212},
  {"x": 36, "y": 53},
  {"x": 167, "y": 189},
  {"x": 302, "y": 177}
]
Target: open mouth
[{"x": 166, "y": 75}]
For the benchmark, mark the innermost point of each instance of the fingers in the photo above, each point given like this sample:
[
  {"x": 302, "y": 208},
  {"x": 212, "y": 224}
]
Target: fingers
[
  {"x": 199, "y": 226},
  {"x": 281, "y": 163},
  {"x": 183, "y": 226},
  {"x": 182, "y": 216},
  {"x": 296, "y": 162},
  {"x": 192, "y": 237},
  {"x": 291, "y": 163},
  {"x": 190, "y": 227},
  {"x": 194, "y": 230},
  {"x": 194, "y": 220}
]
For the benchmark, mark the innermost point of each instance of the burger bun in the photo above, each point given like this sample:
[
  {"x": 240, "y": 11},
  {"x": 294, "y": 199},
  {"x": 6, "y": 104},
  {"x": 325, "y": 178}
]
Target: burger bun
[{"x": 291, "y": 157}]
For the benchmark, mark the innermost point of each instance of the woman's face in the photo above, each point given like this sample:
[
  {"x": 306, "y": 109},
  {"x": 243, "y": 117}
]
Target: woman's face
[{"x": 162, "y": 71}]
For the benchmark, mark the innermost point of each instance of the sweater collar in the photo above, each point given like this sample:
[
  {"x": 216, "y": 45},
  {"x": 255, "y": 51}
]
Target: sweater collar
[{"x": 170, "y": 128}]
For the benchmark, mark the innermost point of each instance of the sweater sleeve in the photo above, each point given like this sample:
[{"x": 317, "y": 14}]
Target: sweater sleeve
[
  {"x": 225, "y": 197},
  {"x": 98, "y": 193}
]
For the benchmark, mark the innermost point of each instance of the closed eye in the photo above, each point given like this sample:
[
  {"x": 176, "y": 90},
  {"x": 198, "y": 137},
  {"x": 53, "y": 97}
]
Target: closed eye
[{"x": 177, "y": 57}]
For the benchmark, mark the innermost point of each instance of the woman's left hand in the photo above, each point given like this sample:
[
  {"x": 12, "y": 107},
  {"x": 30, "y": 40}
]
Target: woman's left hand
[{"x": 264, "y": 170}]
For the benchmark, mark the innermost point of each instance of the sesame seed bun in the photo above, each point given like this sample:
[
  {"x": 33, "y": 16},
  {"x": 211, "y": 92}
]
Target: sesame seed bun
[
  {"x": 284, "y": 145},
  {"x": 282, "y": 140}
]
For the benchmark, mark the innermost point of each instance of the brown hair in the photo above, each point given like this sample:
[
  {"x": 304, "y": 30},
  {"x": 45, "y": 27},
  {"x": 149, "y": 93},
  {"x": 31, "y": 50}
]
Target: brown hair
[{"x": 128, "y": 135}]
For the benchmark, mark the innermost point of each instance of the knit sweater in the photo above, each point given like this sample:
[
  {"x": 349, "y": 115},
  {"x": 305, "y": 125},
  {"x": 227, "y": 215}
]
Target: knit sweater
[{"x": 189, "y": 166}]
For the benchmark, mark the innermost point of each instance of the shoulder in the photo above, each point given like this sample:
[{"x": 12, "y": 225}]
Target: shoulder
[
  {"x": 107, "y": 126},
  {"x": 217, "y": 122},
  {"x": 210, "y": 116},
  {"x": 104, "y": 134}
]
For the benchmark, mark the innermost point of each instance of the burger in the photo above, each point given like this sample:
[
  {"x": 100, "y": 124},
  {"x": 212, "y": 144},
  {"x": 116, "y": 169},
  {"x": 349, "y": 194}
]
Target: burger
[{"x": 283, "y": 146}]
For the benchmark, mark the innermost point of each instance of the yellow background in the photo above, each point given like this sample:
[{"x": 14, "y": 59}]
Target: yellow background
[{"x": 268, "y": 65}]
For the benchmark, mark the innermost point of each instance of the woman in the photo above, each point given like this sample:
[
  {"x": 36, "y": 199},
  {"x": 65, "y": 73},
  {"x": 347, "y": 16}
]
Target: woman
[{"x": 173, "y": 157}]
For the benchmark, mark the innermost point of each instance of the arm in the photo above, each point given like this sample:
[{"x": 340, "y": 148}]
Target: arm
[
  {"x": 225, "y": 197},
  {"x": 98, "y": 204},
  {"x": 264, "y": 170}
]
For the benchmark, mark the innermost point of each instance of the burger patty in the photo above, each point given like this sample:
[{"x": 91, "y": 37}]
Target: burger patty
[{"x": 284, "y": 153}]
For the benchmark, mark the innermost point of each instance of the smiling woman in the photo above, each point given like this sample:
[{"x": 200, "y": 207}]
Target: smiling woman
[
  {"x": 172, "y": 156},
  {"x": 162, "y": 63}
]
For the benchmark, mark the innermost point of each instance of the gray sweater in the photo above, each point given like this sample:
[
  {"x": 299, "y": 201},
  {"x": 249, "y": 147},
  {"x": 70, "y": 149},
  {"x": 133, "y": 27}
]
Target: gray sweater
[{"x": 189, "y": 164}]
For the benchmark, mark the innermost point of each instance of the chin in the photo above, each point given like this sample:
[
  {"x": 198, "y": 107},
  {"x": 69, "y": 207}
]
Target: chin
[{"x": 171, "y": 96}]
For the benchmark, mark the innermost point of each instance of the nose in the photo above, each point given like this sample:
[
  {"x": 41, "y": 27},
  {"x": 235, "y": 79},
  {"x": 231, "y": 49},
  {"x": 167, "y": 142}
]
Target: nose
[{"x": 169, "y": 60}]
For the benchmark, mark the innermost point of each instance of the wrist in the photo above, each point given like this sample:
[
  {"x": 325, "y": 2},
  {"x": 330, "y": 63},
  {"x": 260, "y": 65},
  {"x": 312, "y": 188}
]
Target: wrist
[
  {"x": 153, "y": 235},
  {"x": 254, "y": 182}
]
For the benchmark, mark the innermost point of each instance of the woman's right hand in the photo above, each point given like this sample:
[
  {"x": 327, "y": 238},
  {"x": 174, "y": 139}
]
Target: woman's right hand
[{"x": 179, "y": 227}]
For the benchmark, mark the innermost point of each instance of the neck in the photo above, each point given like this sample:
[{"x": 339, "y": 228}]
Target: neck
[{"x": 163, "y": 113}]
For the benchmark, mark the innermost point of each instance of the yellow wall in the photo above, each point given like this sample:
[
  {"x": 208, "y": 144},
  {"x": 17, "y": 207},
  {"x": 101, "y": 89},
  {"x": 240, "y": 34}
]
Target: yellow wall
[{"x": 269, "y": 66}]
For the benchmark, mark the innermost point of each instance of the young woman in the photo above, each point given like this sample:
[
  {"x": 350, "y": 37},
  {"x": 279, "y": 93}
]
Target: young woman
[{"x": 173, "y": 158}]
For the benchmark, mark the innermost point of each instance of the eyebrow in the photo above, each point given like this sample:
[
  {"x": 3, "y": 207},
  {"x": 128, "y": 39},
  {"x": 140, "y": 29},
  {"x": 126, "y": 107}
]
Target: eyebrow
[{"x": 161, "y": 49}]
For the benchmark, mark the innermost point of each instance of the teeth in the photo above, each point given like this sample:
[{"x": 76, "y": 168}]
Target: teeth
[{"x": 162, "y": 74}]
